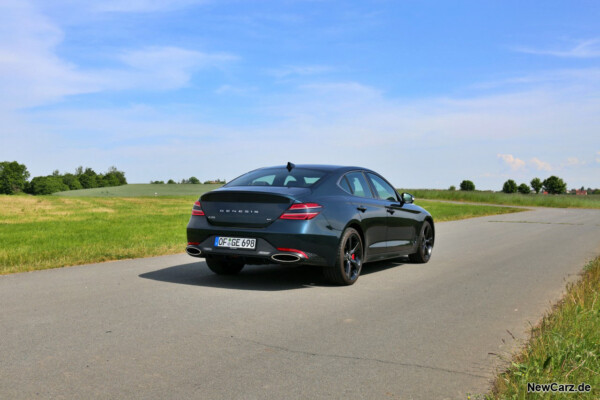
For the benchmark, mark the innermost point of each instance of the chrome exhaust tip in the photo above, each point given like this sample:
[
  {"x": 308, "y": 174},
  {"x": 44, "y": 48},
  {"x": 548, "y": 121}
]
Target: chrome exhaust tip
[
  {"x": 193, "y": 251},
  {"x": 286, "y": 257}
]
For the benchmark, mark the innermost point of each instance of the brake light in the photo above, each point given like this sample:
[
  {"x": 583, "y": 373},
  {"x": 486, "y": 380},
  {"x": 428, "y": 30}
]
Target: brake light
[
  {"x": 302, "y": 211},
  {"x": 197, "y": 209}
]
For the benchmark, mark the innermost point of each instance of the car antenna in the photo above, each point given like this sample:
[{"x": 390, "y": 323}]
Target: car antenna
[{"x": 290, "y": 166}]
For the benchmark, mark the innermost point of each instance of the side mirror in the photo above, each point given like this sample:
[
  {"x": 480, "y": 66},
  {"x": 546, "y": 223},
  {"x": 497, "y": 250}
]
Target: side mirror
[{"x": 407, "y": 198}]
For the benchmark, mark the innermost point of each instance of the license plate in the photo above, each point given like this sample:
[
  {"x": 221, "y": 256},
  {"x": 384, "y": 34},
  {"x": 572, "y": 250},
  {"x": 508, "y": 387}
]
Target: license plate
[{"x": 235, "y": 243}]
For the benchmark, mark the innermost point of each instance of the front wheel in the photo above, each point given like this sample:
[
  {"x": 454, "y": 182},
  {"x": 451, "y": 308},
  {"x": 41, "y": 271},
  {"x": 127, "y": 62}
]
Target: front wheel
[
  {"x": 349, "y": 259},
  {"x": 223, "y": 265},
  {"x": 425, "y": 241}
]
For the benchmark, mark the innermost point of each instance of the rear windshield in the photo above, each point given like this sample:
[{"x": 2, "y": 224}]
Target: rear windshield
[{"x": 298, "y": 177}]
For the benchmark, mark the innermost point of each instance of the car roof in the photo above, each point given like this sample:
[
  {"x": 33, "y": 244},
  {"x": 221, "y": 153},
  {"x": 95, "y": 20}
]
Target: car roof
[{"x": 321, "y": 167}]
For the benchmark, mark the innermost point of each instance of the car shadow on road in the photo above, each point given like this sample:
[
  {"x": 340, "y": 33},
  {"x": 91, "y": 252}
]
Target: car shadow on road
[{"x": 255, "y": 277}]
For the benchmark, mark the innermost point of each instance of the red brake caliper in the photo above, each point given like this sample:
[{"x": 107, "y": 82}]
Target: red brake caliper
[{"x": 353, "y": 256}]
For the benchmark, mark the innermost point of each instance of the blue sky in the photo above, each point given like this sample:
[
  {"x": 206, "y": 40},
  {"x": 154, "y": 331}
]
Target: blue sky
[{"x": 427, "y": 93}]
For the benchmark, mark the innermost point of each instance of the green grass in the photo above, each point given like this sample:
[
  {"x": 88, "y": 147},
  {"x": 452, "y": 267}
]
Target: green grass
[
  {"x": 539, "y": 200},
  {"x": 142, "y": 189},
  {"x": 49, "y": 231},
  {"x": 451, "y": 212},
  {"x": 564, "y": 348},
  {"x": 44, "y": 232}
]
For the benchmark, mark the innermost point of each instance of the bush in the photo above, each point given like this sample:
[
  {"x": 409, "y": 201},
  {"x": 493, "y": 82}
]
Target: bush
[
  {"x": 452, "y": 188},
  {"x": 46, "y": 185},
  {"x": 13, "y": 177},
  {"x": 510, "y": 186},
  {"x": 554, "y": 185},
  {"x": 467, "y": 186},
  {"x": 524, "y": 188}
]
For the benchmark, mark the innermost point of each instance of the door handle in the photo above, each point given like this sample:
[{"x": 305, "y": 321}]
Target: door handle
[
  {"x": 361, "y": 208},
  {"x": 389, "y": 210}
]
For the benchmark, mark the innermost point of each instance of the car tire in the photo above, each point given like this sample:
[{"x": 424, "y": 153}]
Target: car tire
[
  {"x": 223, "y": 265},
  {"x": 426, "y": 239},
  {"x": 349, "y": 260}
]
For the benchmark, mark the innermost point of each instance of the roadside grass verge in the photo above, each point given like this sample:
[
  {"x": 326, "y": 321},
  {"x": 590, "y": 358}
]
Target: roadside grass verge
[
  {"x": 45, "y": 232},
  {"x": 451, "y": 212},
  {"x": 517, "y": 199},
  {"x": 564, "y": 347}
]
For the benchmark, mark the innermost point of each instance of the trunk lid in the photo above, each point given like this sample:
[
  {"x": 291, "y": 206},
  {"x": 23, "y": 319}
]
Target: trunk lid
[{"x": 248, "y": 207}]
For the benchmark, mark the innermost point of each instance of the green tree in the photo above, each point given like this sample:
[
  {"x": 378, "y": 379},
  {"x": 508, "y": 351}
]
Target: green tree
[
  {"x": 524, "y": 188},
  {"x": 509, "y": 186},
  {"x": 88, "y": 179},
  {"x": 116, "y": 177},
  {"x": 467, "y": 185},
  {"x": 110, "y": 180},
  {"x": 554, "y": 185},
  {"x": 452, "y": 188},
  {"x": 171, "y": 182},
  {"x": 194, "y": 180},
  {"x": 536, "y": 184},
  {"x": 71, "y": 181},
  {"x": 13, "y": 177},
  {"x": 46, "y": 185}
]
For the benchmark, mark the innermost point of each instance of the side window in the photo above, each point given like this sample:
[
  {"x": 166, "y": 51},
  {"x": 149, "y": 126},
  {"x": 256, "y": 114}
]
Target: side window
[
  {"x": 345, "y": 185},
  {"x": 383, "y": 189},
  {"x": 266, "y": 180},
  {"x": 290, "y": 181},
  {"x": 359, "y": 185}
]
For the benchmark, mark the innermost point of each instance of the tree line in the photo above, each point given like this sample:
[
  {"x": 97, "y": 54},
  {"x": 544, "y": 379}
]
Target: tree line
[
  {"x": 14, "y": 178},
  {"x": 193, "y": 180},
  {"x": 551, "y": 185}
]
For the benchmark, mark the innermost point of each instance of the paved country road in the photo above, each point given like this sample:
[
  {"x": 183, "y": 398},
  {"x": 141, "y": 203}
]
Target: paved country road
[{"x": 165, "y": 327}]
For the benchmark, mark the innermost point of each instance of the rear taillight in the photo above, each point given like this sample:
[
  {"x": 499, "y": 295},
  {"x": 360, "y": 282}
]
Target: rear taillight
[
  {"x": 197, "y": 209},
  {"x": 302, "y": 211}
]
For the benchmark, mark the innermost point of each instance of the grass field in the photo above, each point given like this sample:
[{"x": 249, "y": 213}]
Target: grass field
[
  {"x": 564, "y": 348},
  {"x": 52, "y": 231},
  {"x": 539, "y": 200},
  {"x": 142, "y": 189}
]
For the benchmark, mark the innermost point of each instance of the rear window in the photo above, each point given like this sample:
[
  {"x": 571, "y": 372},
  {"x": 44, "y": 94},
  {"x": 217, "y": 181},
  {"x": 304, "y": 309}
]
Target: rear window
[{"x": 297, "y": 177}]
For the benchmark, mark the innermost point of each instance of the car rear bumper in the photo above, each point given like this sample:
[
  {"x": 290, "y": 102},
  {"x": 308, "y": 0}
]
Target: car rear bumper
[{"x": 309, "y": 242}]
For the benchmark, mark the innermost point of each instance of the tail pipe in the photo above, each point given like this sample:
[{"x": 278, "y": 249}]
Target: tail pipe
[
  {"x": 289, "y": 255},
  {"x": 286, "y": 258},
  {"x": 193, "y": 250}
]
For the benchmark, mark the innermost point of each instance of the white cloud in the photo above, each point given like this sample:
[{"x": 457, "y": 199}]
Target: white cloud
[
  {"x": 549, "y": 77},
  {"x": 574, "y": 161},
  {"x": 541, "y": 165},
  {"x": 131, "y": 6},
  {"x": 163, "y": 67},
  {"x": 513, "y": 162},
  {"x": 32, "y": 74},
  {"x": 584, "y": 49},
  {"x": 299, "y": 70},
  {"x": 30, "y": 71}
]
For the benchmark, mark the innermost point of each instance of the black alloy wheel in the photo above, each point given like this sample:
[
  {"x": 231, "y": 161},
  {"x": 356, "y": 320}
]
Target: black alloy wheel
[
  {"x": 426, "y": 239},
  {"x": 349, "y": 260}
]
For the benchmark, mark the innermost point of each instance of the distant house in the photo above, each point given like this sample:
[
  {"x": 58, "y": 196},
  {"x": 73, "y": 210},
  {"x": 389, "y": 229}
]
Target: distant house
[{"x": 579, "y": 192}]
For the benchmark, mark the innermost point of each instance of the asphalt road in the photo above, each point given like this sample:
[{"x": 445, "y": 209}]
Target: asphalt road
[{"x": 165, "y": 327}]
